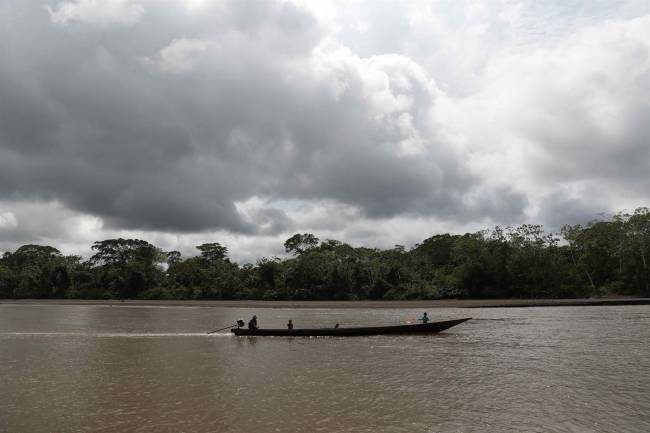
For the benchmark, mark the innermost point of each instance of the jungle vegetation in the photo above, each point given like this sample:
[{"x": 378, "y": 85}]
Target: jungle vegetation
[{"x": 604, "y": 257}]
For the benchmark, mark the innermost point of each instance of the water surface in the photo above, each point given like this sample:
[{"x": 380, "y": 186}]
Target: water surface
[{"x": 153, "y": 369}]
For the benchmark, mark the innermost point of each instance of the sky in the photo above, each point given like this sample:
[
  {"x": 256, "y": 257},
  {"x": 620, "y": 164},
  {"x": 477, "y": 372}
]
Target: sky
[{"x": 371, "y": 122}]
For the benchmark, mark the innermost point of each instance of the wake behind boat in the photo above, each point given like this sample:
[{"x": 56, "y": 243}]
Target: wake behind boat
[{"x": 423, "y": 328}]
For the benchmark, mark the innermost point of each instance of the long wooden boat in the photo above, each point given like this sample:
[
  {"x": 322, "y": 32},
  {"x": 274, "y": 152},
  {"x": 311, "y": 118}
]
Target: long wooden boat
[{"x": 423, "y": 328}]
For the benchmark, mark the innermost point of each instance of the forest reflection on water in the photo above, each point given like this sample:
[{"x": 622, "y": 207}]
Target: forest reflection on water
[{"x": 150, "y": 369}]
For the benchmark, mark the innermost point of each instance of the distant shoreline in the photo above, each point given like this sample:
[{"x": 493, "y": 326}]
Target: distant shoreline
[{"x": 445, "y": 303}]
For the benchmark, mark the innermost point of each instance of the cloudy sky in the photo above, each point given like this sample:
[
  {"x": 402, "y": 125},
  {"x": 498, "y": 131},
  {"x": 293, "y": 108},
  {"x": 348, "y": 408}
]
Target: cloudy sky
[{"x": 372, "y": 122}]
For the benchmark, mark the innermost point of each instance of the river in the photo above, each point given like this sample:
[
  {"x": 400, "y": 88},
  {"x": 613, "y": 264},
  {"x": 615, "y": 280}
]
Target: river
[{"x": 103, "y": 368}]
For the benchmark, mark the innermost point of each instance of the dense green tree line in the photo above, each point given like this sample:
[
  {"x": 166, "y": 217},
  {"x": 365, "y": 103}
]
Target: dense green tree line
[{"x": 604, "y": 257}]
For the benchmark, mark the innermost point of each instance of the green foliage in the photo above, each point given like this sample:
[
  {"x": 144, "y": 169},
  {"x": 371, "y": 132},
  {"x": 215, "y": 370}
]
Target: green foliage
[
  {"x": 173, "y": 257},
  {"x": 8, "y": 281},
  {"x": 299, "y": 243},
  {"x": 213, "y": 253},
  {"x": 125, "y": 267},
  {"x": 605, "y": 257}
]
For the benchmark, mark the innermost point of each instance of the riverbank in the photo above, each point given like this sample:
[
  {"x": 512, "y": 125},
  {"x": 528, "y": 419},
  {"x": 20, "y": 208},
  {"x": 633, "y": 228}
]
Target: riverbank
[{"x": 445, "y": 303}]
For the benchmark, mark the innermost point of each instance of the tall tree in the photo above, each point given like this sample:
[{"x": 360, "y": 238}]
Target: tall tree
[
  {"x": 300, "y": 243},
  {"x": 126, "y": 266},
  {"x": 213, "y": 252}
]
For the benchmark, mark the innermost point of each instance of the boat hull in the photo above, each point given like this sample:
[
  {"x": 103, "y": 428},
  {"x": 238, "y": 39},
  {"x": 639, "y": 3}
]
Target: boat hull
[{"x": 423, "y": 328}]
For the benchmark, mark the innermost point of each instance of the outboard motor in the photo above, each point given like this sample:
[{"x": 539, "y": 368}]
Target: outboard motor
[{"x": 240, "y": 323}]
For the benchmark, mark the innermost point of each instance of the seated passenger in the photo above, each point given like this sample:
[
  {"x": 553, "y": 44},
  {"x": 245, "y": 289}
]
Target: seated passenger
[
  {"x": 252, "y": 324},
  {"x": 290, "y": 325},
  {"x": 425, "y": 318}
]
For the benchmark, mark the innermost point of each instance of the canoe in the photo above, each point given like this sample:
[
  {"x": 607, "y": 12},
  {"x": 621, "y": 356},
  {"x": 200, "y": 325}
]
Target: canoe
[{"x": 423, "y": 328}]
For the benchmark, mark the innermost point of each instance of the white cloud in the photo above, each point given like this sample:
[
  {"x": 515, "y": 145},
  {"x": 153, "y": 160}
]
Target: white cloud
[
  {"x": 101, "y": 12},
  {"x": 8, "y": 220},
  {"x": 568, "y": 114},
  {"x": 181, "y": 55}
]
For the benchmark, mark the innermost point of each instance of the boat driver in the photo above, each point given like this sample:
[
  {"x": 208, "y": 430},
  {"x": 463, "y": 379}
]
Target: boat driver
[{"x": 252, "y": 324}]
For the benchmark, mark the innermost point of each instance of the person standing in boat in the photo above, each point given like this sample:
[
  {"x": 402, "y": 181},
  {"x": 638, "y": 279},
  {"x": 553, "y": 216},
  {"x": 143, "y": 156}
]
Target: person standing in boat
[
  {"x": 425, "y": 318},
  {"x": 252, "y": 324},
  {"x": 290, "y": 325}
]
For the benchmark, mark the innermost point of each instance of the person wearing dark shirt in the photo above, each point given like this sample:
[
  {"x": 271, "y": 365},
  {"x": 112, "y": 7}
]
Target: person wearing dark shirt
[
  {"x": 290, "y": 325},
  {"x": 252, "y": 324},
  {"x": 425, "y": 318}
]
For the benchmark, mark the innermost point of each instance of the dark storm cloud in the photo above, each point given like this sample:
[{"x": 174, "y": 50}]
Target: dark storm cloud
[
  {"x": 246, "y": 121},
  {"x": 164, "y": 119}
]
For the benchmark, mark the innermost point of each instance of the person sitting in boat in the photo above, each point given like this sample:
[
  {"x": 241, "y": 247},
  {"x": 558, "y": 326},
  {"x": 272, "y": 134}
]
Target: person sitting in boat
[
  {"x": 425, "y": 318},
  {"x": 290, "y": 325},
  {"x": 252, "y": 324}
]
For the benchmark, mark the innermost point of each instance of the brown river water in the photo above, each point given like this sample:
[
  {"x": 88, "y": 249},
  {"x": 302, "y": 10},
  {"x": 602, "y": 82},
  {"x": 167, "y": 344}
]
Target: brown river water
[{"x": 85, "y": 368}]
